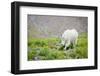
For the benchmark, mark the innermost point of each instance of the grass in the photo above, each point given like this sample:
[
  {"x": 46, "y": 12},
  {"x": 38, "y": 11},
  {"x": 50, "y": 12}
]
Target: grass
[{"x": 49, "y": 49}]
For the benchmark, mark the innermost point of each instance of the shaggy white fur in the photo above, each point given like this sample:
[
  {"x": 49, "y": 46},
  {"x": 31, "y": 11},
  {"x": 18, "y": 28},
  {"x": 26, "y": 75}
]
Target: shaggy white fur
[{"x": 69, "y": 37}]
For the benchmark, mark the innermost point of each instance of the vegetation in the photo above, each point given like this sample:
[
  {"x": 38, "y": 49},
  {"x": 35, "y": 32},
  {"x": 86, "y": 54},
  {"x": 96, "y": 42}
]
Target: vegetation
[{"x": 50, "y": 49}]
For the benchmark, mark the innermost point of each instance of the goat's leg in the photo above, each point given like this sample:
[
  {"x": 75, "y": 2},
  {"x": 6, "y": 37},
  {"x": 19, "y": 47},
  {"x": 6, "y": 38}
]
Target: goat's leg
[{"x": 66, "y": 45}]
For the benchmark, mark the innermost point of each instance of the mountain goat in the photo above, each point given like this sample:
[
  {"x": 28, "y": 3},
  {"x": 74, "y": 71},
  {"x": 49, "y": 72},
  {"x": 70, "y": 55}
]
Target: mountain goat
[{"x": 69, "y": 38}]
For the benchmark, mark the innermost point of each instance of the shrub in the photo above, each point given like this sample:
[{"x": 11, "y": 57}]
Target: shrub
[{"x": 49, "y": 49}]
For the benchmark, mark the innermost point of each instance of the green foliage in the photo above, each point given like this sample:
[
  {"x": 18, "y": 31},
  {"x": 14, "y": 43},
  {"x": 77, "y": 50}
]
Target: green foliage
[
  {"x": 49, "y": 49},
  {"x": 31, "y": 54}
]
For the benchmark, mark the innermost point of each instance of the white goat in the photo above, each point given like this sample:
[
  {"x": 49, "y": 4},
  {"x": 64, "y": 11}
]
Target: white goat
[{"x": 69, "y": 37}]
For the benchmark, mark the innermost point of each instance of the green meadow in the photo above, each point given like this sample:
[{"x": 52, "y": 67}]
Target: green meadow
[{"x": 50, "y": 49}]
